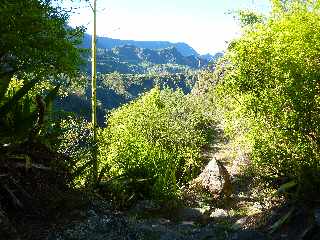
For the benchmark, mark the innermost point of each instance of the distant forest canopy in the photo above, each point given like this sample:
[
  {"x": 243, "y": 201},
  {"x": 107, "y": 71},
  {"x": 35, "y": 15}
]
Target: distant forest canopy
[{"x": 125, "y": 71}]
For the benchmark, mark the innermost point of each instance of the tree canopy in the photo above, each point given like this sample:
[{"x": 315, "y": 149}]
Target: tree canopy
[
  {"x": 271, "y": 74},
  {"x": 35, "y": 39}
]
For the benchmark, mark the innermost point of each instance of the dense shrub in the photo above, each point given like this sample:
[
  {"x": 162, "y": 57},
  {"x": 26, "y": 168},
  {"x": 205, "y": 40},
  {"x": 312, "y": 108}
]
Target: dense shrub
[
  {"x": 26, "y": 109},
  {"x": 74, "y": 140},
  {"x": 270, "y": 85},
  {"x": 152, "y": 144}
]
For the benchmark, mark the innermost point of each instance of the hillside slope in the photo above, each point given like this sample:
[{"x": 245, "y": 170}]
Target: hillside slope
[
  {"x": 108, "y": 43},
  {"x": 131, "y": 59}
]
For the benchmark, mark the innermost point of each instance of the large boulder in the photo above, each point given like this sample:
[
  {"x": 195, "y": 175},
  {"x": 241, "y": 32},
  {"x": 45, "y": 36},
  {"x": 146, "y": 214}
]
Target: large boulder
[{"x": 215, "y": 178}]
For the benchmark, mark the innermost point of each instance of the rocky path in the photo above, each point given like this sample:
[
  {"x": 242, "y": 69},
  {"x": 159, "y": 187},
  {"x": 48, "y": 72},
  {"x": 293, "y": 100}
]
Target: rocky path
[
  {"x": 101, "y": 223},
  {"x": 201, "y": 217}
]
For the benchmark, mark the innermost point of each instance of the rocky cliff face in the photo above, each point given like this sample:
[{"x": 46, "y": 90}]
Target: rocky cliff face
[
  {"x": 140, "y": 59},
  {"x": 109, "y": 43}
]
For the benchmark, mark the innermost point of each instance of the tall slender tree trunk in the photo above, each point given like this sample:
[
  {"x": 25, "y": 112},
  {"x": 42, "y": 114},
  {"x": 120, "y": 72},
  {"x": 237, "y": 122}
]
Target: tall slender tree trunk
[{"x": 94, "y": 93}]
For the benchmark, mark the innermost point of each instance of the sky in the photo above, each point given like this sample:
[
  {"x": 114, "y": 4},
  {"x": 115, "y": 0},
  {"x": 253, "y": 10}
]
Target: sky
[{"x": 206, "y": 25}]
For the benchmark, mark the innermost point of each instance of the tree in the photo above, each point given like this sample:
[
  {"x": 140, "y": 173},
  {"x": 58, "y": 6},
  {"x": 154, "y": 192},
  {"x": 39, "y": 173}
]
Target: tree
[
  {"x": 272, "y": 76},
  {"x": 36, "y": 42},
  {"x": 36, "y": 46},
  {"x": 94, "y": 92}
]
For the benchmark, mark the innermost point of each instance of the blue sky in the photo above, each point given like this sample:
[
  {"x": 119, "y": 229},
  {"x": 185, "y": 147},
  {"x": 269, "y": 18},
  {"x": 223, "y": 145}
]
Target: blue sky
[{"x": 203, "y": 24}]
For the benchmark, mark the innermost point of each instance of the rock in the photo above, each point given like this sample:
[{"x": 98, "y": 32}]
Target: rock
[
  {"x": 248, "y": 235},
  {"x": 158, "y": 229},
  {"x": 208, "y": 232},
  {"x": 239, "y": 223},
  {"x": 92, "y": 214},
  {"x": 187, "y": 223},
  {"x": 203, "y": 235},
  {"x": 119, "y": 227},
  {"x": 145, "y": 206},
  {"x": 52, "y": 236},
  {"x": 190, "y": 214},
  {"x": 317, "y": 216},
  {"x": 215, "y": 178},
  {"x": 115, "y": 225},
  {"x": 102, "y": 206},
  {"x": 219, "y": 213}
]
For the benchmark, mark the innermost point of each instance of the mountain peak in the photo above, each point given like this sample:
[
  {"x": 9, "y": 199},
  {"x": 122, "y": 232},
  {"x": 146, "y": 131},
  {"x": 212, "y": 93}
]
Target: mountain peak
[{"x": 109, "y": 43}]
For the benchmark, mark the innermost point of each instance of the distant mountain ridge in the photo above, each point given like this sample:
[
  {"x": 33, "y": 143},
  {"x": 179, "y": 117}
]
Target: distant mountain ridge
[
  {"x": 109, "y": 43},
  {"x": 132, "y": 59},
  {"x": 128, "y": 68},
  {"x": 212, "y": 58}
]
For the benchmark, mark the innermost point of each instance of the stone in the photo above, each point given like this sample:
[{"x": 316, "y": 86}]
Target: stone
[
  {"x": 317, "y": 216},
  {"x": 248, "y": 235},
  {"x": 239, "y": 223},
  {"x": 120, "y": 226},
  {"x": 102, "y": 206},
  {"x": 145, "y": 206},
  {"x": 219, "y": 213},
  {"x": 190, "y": 214},
  {"x": 215, "y": 178},
  {"x": 92, "y": 214}
]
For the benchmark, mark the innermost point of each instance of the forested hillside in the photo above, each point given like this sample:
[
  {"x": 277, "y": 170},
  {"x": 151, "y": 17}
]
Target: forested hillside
[
  {"x": 187, "y": 146},
  {"x": 127, "y": 71},
  {"x": 130, "y": 59}
]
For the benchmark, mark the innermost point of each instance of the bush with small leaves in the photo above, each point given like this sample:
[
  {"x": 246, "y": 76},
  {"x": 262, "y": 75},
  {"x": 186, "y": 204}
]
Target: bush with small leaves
[
  {"x": 270, "y": 87},
  {"x": 152, "y": 144}
]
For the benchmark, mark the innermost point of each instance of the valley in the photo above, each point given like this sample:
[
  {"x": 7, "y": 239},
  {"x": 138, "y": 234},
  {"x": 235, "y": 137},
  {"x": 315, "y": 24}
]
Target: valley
[{"x": 126, "y": 71}]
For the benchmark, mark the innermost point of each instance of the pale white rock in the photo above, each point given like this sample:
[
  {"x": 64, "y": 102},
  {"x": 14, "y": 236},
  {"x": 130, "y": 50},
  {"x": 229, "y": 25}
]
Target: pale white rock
[{"x": 219, "y": 213}]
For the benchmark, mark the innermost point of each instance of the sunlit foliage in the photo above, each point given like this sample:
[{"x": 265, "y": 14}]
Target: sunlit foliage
[
  {"x": 152, "y": 144},
  {"x": 269, "y": 84}
]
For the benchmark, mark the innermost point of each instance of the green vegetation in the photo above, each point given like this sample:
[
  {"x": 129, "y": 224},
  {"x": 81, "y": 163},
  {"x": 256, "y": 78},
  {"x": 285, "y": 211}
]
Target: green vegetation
[
  {"x": 115, "y": 88},
  {"x": 130, "y": 85},
  {"x": 268, "y": 89},
  {"x": 152, "y": 145},
  {"x": 37, "y": 49},
  {"x": 134, "y": 60},
  {"x": 29, "y": 107},
  {"x": 264, "y": 93}
]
